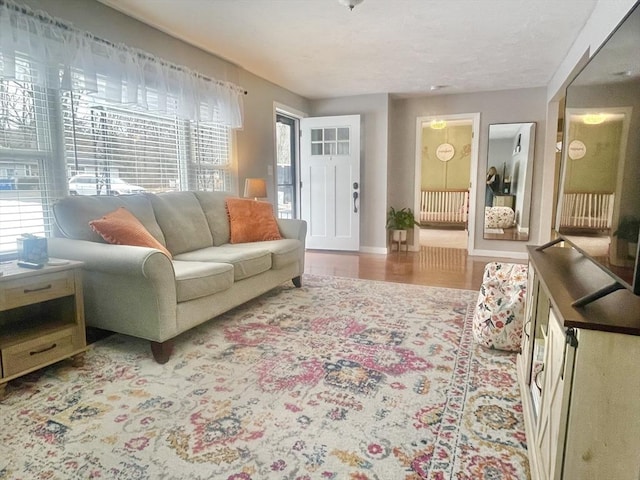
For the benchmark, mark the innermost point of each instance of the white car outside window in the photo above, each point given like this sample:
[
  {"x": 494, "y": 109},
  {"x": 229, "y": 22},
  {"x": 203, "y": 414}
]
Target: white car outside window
[{"x": 90, "y": 185}]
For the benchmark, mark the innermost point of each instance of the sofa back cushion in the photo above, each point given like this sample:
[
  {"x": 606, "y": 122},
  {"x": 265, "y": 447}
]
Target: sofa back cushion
[
  {"x": 182, "y": 221},
  {"x": 215, "y": 210},
  {"x": 72, "y": 215},
  {"x": 251, "y": 221}
]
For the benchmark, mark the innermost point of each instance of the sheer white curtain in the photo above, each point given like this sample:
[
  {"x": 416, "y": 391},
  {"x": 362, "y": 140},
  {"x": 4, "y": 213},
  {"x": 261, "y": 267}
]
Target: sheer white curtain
[{"x": 47, "y": 52}]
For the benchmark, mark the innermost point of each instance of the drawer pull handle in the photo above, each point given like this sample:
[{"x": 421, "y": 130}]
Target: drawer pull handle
[
  {"x": 31, "y": 290},
  {"x": 46, "y": 349}
]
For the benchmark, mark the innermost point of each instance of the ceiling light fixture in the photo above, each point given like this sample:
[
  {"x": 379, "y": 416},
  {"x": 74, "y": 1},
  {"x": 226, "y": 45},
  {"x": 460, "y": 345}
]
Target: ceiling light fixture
[
  {"x": 438, "y": 124},
  {"x": 350, "y": 3},
  {"x": 594, "y": 118}
]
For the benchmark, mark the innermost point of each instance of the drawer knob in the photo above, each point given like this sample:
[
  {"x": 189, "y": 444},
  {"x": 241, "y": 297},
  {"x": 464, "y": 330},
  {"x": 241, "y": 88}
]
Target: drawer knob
[
  {"x": 46, "y": 349},
  {"x": 31, "y": 290}
]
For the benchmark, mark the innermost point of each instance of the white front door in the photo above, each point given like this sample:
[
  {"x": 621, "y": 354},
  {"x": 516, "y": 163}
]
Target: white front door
[{"x": 330, "y": 176}]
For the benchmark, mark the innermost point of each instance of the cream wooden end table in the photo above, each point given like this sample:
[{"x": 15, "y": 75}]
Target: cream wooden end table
[{"x": 41, "y": 317}]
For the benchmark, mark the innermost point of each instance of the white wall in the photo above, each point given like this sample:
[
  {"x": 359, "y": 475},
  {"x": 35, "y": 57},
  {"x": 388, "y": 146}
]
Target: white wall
[
  {"x": 501, "y": 153},
  {"x": 374, "y": 132},
  {"x": 603, "y": 20},
  {"x": 523, "y": 180}
]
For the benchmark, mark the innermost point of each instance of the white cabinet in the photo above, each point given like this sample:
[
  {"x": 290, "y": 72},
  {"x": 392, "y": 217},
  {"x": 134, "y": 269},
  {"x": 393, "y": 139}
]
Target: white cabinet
[
  {"x": 579, "y": 372},
  {"x": 555, "y": 393}
]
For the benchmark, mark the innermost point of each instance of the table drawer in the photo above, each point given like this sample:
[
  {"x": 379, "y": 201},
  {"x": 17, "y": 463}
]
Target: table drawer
[
  {"x": 31, "y": 290},
  {"x": 38, "y": 351}
]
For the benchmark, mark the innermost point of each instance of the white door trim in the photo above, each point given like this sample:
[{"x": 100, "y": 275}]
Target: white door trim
[{"x": 282, "y": 109}]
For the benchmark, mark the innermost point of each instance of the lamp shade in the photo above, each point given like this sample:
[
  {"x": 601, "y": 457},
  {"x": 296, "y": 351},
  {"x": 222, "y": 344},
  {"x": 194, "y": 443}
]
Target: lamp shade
[{"x": 255, "y": 187}]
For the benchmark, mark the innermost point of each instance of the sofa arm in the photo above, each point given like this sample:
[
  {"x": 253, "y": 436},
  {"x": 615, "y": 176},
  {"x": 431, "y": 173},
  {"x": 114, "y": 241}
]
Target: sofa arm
[
  {"x": 290, "y": 228},
  {"x": 120, "y": 259},
  {"x": 297, "y": 229},
  {"x": 128, "y": 289}
]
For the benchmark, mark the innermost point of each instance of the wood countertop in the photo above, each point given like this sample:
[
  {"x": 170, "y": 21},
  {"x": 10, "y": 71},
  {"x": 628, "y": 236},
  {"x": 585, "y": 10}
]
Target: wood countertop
[{"x": 567, "y": 276}]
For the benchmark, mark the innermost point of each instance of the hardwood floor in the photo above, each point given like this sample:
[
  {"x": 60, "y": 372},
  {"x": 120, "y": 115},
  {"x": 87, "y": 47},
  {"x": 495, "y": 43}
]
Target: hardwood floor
[
  {"x": 433, "y": 266},
  {"x": 507, "y": 234}
]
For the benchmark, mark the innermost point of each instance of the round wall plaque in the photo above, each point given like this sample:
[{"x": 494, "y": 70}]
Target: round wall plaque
[
  {"x": 445, "y": 152},
  {"x": 577, "y": 150}
]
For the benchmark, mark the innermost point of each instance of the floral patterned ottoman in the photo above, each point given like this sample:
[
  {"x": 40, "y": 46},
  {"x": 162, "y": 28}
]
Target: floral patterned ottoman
[
  {"x": 498, "y": 217},
  {"x": 499, "y": 315}
]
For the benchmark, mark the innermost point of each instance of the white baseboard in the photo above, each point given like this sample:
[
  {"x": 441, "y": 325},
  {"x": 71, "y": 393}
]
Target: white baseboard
[
  {"x": 378, "y": 250},
  {"x": 500, "y": 254}
]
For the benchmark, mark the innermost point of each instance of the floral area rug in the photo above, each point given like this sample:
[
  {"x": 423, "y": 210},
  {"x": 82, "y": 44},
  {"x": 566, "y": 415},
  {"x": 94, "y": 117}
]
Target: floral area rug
[{"x": 341, "y": 379}]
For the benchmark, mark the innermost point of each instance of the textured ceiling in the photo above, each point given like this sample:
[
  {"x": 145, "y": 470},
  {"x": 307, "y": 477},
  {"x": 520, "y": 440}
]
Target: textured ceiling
[{"x": 320, "y": 49}]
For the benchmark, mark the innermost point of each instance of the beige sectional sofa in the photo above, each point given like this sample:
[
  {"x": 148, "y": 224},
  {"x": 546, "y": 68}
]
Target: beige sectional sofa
[{"x": 140, "y": 291}]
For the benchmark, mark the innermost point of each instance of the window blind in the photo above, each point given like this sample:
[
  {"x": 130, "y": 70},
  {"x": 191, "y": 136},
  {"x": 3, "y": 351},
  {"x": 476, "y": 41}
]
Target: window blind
[
  {"x": 110, "y": 144},
  {"x": 25, "y": 160},
  {"x": 210, "y": 157}
]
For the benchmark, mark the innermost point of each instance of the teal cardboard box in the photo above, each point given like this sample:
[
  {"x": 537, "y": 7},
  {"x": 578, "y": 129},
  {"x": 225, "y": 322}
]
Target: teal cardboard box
[{"x": 33, "y": 249}]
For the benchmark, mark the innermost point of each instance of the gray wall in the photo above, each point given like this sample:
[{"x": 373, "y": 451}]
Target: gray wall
[
  {"x": 507, "y": 106},
  {"x": 374, "y": 133},
  {"x": 255, "y": 147}
]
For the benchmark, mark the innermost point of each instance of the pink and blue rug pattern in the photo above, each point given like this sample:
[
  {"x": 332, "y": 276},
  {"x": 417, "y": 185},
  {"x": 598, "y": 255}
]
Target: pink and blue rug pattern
[{"x": 342, "y": 379}]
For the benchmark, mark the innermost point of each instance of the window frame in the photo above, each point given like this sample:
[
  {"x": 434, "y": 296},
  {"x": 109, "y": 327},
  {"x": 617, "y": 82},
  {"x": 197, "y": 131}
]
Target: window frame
[{"x": 55, "y": 168}]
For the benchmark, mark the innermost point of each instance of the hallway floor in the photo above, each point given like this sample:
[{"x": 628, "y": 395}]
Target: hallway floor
[{"x": 434, "y": 266}]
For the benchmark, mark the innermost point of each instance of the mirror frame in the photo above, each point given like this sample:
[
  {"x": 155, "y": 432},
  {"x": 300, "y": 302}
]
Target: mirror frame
[{"x": 507, "y": 153}]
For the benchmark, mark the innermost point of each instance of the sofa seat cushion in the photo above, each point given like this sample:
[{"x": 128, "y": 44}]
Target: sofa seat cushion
[
  {"x": 246, "y": 262},
  {"x": 199, "y": 279},
  {"x": 283, "y": 252}
]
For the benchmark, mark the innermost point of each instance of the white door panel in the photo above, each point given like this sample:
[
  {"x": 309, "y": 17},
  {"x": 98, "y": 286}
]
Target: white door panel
[
  {"x": 330, "y": 175},
  {"x": 318, "y": 201}
]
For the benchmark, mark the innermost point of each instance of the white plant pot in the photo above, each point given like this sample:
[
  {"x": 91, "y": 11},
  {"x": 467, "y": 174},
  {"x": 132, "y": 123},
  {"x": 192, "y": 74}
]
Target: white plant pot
[{"x": 399, "y": 235}]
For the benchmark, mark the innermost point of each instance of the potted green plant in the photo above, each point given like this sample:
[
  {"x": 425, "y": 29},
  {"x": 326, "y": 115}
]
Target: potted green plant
[
  {"x": 628, "y": 229},
  {"x": 399, "y": 221}
]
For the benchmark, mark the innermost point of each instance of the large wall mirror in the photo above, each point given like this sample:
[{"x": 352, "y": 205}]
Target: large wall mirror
[
  {"x": 508, "y": 181},
  {"x": 599, "y": 198}
]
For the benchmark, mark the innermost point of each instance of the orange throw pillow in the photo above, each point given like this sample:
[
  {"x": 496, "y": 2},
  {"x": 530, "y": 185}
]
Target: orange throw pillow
[
  {"x": 121, "y": 227},
  {"x": 251, "y": 221}
]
